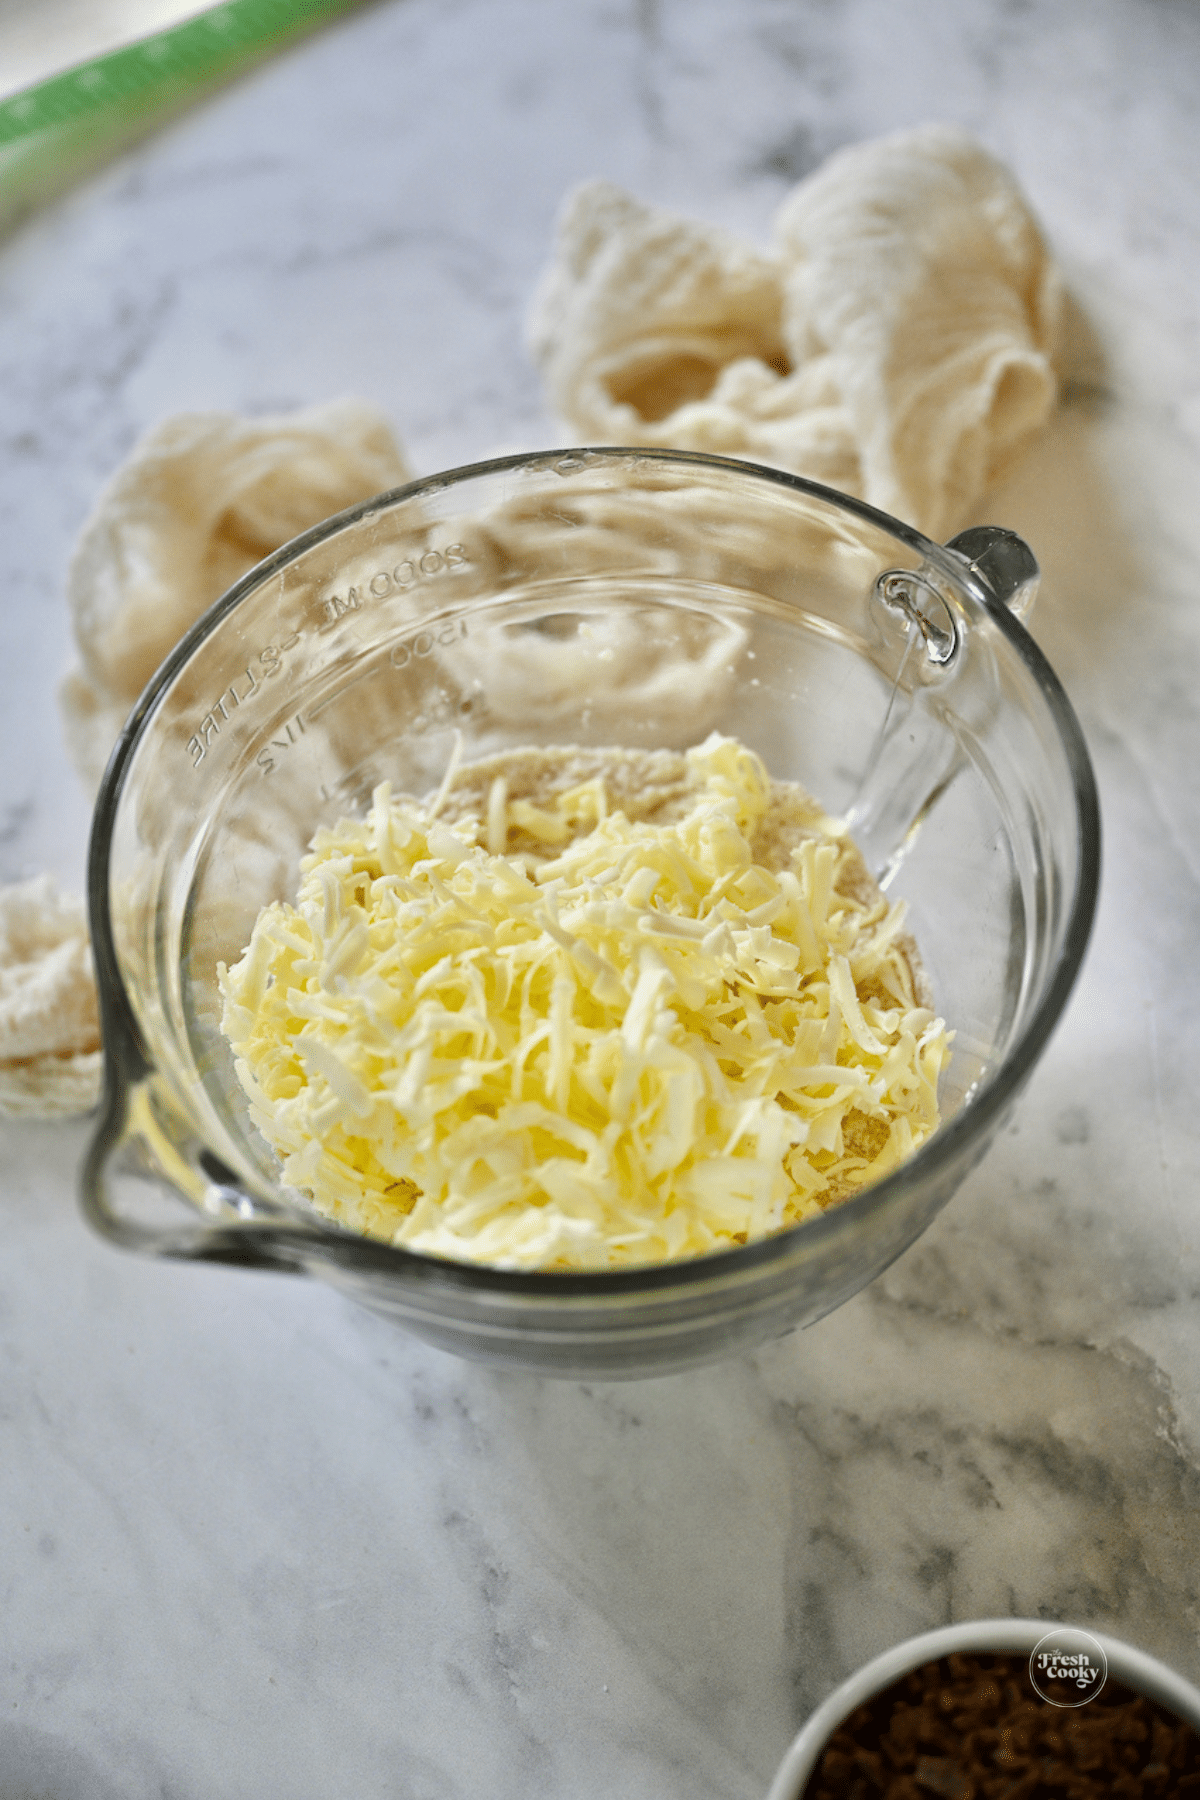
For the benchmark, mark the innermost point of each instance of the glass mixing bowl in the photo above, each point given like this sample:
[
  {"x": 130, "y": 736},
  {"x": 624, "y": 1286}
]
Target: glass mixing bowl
[{"x": 593, "y": 597}]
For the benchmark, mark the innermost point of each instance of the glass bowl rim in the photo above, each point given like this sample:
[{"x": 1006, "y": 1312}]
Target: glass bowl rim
[{"x": 125, "y": 1058}]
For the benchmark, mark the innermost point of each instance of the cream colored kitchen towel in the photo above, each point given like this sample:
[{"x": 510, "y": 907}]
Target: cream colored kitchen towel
[
  {"x": 49, "y": 1030},
  {"x": 202, "y": 498},
  {"x": 898, "y": 343}
]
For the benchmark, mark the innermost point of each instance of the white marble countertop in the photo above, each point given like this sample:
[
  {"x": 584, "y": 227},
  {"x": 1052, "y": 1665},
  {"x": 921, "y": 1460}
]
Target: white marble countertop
[{"x": 253, "y": 1541}]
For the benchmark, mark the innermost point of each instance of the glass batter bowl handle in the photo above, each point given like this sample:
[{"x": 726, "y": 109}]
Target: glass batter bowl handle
[
  {"x": 1003, "y": 562},
  {"x": 914, "y": 760}
]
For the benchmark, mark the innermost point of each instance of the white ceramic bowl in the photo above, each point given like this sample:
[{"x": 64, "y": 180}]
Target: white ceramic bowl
[{"x": 1144, "y": 1674}]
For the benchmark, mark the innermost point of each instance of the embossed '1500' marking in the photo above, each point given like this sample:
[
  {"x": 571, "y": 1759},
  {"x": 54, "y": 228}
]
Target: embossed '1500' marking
[{"x": 420, "y": 643}]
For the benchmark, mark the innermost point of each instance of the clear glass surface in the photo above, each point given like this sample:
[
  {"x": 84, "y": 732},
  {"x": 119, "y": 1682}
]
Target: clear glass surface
[{"x": 607, "y": 597}]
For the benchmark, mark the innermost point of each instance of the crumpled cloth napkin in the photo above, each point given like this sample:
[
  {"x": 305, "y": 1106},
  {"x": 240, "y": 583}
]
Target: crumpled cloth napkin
[
  {"x": 201, "y": 499},
  {"x": 49, "y": 1029},
  {"x": 898, "y": 343}
]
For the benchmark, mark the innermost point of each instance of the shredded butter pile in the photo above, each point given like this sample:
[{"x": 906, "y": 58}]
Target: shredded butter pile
[{"x": 627, "y": 1042}]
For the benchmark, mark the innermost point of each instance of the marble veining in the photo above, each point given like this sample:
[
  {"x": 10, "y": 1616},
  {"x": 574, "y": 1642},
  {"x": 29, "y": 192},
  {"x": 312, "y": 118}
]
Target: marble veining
[{"x": 255, "y": 1541}]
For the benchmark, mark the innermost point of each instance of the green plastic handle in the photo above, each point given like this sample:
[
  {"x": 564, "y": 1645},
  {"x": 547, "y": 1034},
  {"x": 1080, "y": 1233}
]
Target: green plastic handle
[{"x": 54, "y": 131}]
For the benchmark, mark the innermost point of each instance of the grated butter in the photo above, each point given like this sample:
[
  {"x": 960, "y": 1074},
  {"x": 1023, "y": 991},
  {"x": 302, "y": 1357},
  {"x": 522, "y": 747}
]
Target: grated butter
[{"x": 585, "y": 1010}]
